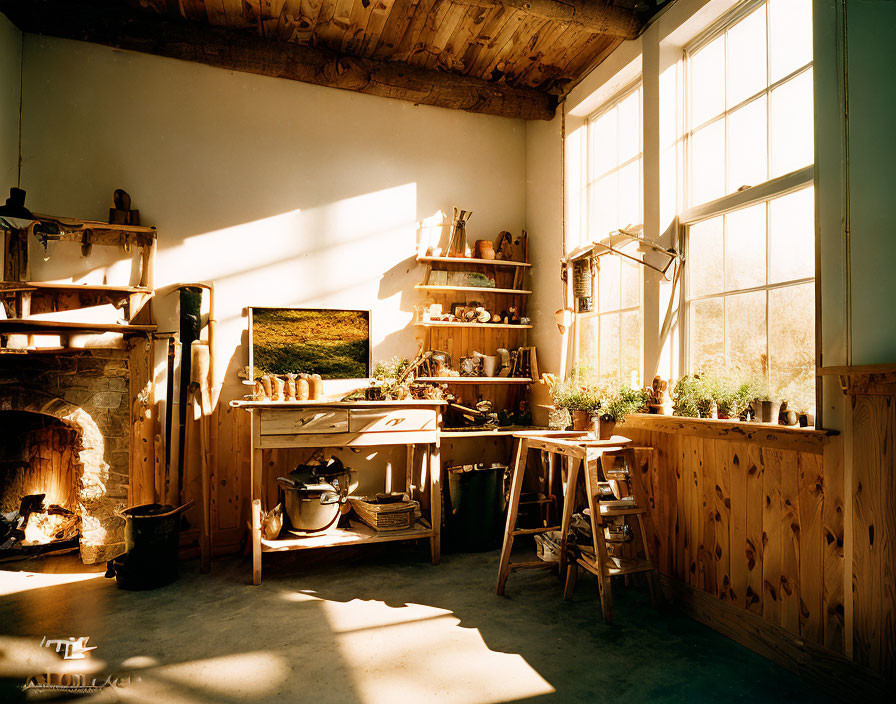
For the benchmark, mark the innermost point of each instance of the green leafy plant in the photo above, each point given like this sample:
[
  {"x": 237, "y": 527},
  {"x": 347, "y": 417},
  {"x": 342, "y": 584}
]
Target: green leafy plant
[
  {"x": 623, "y": 401},
  {"x": 734, "y": 397},
  {"x": 694, "y": 394},
  {"x": 575, "y": 396}
]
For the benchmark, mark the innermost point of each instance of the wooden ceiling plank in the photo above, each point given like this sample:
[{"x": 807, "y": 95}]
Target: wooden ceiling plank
[
  {"x": 463, "y": 36},
  {"x": 357, "y": 26},
  {"x": 396, "y": 24},
  {"x": 544, "y": 68},
  {"x": 214, "y": 11},
  {"x": 487, "y": 31},
  {"x": 589, "y": 62},
  {"x": 597, "y": 16},
  {"x": 233, "y": 10},
  {"x": 105, "y": 23},
  {"x": 450, "y": 20},
  {"x": 193, "y": 9},
  {"x": 547, "y": 37},
  {"x": 488, "y": 56},
  {"x": 431, "y": 25},
  {"x": 518, "y": 47},
  {"x": 375, "y": 25},
  {"x": 409, "y": 43}
]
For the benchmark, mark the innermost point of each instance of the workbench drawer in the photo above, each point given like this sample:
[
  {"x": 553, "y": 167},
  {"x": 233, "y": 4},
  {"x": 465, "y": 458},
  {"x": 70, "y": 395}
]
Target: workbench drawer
[
  {"x": 375, "y": 420},
  {"x": 300, "y": 422}
]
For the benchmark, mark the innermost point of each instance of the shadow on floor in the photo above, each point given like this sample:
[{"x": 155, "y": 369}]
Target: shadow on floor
[{"x": 383, "y": 625}]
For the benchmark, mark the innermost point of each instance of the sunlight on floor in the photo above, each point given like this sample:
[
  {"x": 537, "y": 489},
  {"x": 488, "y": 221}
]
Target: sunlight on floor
[
  {"x": 421, "y": 653},
  {"x": 15, "y": 582}
]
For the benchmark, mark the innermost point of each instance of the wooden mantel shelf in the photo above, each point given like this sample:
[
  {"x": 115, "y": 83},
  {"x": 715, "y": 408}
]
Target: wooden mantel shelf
[
  {"x": 471, "y": 260},
  {"x": 17, "y": 286},
  {"x": 768, "y": 434}
]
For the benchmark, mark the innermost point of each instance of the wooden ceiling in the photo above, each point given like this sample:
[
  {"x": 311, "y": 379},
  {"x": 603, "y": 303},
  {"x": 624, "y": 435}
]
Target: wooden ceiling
[{"x": 514, "y": 58}]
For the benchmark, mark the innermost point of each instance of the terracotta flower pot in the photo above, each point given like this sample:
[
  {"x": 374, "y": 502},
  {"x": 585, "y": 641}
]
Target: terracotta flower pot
[{"x": 580, "y": 420}]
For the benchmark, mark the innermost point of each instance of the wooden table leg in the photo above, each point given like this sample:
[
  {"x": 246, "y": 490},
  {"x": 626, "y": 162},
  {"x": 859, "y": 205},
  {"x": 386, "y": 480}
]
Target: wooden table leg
[
  {"x": 569, "y": 503},
  {"x": 256, "y": 542},
  {"x": 516, "y": 488},
  {"x": 435, "y": 501}
]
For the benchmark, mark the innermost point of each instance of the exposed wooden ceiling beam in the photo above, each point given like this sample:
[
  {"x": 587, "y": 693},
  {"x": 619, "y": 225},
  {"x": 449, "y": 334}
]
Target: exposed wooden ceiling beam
[
  {"x": 243, "y": 50},
  {"x": 598, "y": 16}
]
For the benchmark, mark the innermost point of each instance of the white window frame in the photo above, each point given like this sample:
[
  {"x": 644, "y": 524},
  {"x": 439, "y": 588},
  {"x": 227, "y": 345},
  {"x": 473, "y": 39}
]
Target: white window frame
[
  {"x": 583, "y": 318},
  {"x": 756, "y": 194}
]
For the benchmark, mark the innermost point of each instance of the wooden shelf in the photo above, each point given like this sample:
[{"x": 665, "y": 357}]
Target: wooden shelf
[
  {"x": 620, "y": 565},
  {"x": 476, "y": 379},
  {"x": 17, "y": 286},
  {"x": 58, "y": 327},
  {"x": 357, "y": 534},
  {"x": 440, "y": 324},
  {"x": 468, "y": 260},
  {"x": 473, "y": 289}
]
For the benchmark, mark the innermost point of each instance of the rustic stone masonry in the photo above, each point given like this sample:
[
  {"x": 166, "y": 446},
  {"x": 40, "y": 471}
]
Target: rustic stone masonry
[{"x": 87, "y": 391}]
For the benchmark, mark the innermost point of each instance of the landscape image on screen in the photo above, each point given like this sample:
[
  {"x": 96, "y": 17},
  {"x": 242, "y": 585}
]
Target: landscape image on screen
[{"x": 332, "y": 343}]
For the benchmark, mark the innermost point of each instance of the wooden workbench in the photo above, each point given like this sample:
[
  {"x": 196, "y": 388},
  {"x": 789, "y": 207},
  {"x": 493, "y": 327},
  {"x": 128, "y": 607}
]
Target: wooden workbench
[{"x": 320, "y": 424}]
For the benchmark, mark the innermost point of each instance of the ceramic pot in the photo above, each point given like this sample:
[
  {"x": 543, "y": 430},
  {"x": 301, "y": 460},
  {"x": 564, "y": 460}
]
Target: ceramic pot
[
  {"x": 489, "y": 365},
  {"x": 558, "y": 419},
  {"x": 485, "y": 249},
  {"x": 767, "y": 411},
  {"x": 580, "y": 420}
]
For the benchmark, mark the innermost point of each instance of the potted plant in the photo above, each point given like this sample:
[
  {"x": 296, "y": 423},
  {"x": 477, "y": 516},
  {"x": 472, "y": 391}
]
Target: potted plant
[
  {"x": 616, "y": 405},
  {"x": 766, "y": 408},
  {"x": 694, "y": 396},
  {"x": 734, "y": 397},
  {"x": 579, "y": 399}
]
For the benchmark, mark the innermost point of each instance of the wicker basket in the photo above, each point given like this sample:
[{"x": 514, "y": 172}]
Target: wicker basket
[{"x": 384, "y": 517}]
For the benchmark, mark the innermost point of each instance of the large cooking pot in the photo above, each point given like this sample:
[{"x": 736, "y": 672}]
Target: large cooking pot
[{"x": 311, "y": 507}]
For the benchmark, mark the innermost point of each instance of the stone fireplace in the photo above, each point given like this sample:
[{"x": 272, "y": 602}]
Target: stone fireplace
[{"x": 79, "y": 398}]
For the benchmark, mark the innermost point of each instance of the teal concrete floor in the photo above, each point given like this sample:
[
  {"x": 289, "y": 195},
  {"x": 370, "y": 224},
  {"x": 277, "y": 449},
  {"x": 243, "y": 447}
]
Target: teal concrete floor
[{"x": 381, "y": 625}]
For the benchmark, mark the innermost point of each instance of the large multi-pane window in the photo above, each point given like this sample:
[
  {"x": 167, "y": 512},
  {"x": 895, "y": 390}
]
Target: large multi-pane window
[
  {"x": 749, "y": 284},
  {"x": 610, "y": 337}
]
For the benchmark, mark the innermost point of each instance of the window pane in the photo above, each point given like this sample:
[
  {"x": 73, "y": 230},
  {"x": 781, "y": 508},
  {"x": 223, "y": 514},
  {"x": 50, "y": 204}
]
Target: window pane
[
  {"x": 630, "y": 343},
  {"x": 792, "y": 330},
  {"x": 602, "y": 136},
  {"x": 707, "y": 80},
  {"x": 747, "y": 146},
  {"x": 604, "y": 204},
  {"x": 707, "y": 336},
  {"x": 608, "y": 283},
  {"x": 792, "y": 126},
  {"x": 609, "y": 347},
  {"x": 791, "y": 238},
  {"x": 629, "y": 209},
  {"x": 629, "y": 126},
  {"x": 745, "y": 248},
  {"x": 705, "y": 258},
  {"x": 745, "y": 60},
  {"x": 708, "y": 163},
  {"x": 790, "y": 36},
  {"x": 631, "y": 284},
  {"x": 745, "y": 338},
  {"x": 589, "y": 329}
]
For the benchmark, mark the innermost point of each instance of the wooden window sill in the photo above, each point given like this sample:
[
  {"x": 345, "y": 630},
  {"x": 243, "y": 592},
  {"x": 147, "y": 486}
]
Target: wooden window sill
[{"x": 767, "y": 434}]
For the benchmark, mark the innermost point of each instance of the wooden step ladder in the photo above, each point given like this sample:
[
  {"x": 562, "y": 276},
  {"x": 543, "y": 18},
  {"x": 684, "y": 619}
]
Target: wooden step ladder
[
  {"x": 613, "y": 501},
  {"x": 545, "y": 500}
]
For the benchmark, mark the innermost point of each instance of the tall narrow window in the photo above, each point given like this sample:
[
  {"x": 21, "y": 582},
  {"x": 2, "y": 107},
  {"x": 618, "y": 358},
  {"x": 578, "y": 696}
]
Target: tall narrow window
[
  {"x": 610, "y": 337},
  {"x": 749, "y": 283}
]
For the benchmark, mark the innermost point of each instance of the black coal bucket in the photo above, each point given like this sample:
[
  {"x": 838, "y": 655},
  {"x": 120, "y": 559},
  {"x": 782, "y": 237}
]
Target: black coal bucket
[{"x": 152, "y": 539}]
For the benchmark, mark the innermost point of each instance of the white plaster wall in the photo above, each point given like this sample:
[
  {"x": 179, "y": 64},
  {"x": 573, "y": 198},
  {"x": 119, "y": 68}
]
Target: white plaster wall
[
  {"x": 282, "y": 193},
  {"x": 10, "y": 73}
]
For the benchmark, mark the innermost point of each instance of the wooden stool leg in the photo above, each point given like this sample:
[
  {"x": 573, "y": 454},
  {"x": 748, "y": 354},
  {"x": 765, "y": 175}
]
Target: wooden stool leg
[
  {"x": 435, "y": 502},
  {"x": 572, "y": 576},
  {"x": 599, "y": 543},
  {"x": 569, "y": 502},
  {"x": 516, "y": 488}
]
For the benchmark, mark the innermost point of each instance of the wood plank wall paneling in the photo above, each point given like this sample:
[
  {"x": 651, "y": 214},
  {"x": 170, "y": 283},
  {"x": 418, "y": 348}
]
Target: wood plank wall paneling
[
  {"x": 874, "y": 532},
  {"x": 746, "y": 523}
]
